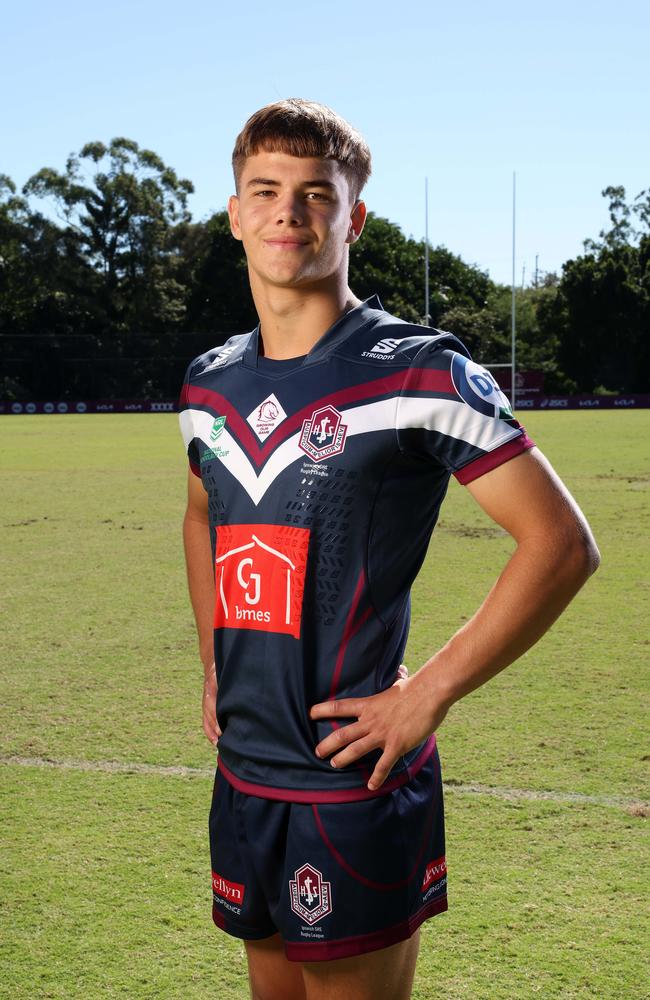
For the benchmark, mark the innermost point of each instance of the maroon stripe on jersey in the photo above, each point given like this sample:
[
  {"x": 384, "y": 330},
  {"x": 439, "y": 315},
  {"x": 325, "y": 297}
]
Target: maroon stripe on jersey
[
  {"x": 349, "y": 630},
  {"x": 492, "y": 459},
  {"x": 318, "y": 795},
  {"x": 417, "y": 380},
  {"x": 368, "y": 882},
  {"x": 325, "y": 951}
]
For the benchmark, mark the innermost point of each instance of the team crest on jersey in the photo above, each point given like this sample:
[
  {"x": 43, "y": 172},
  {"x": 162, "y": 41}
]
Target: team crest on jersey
[
  {"x": 266, "y": 417},
  {"x": 311, "y": 897},
  {"x": 478, "y": 388},
  {"x": 323, "y": 435},
  {"x": 260, "y": 577}
]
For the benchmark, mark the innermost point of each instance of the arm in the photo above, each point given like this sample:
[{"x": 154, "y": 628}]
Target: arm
[
  {"x": 200, "y": 579},
  {"x": 555, "y": 555}
]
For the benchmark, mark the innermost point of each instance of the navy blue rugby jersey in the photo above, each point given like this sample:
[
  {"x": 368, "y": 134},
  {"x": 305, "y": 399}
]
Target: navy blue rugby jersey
[{"x": 325, "y": 475}]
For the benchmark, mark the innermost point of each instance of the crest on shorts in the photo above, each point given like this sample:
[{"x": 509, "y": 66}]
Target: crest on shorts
[{"x": 311, "y": 897}]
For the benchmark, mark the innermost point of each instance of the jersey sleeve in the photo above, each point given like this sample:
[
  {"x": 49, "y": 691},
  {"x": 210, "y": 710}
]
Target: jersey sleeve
[
  {"x": 187, "y": 424},
  {"x": 452, "y": 411}
]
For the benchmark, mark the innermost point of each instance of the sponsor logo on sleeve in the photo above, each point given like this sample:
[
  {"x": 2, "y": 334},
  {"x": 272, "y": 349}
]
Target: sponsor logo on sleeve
[
  {"x": 260, "y": 577},
  {"x": 477, "y": 387},
  {"x": 323, "y": 435},
  {"x": 266, "y": 417},
  {"x": 310, "y": 895}
]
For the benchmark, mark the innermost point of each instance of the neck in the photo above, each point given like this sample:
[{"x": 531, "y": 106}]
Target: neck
[{"x": 292, "y": 320}]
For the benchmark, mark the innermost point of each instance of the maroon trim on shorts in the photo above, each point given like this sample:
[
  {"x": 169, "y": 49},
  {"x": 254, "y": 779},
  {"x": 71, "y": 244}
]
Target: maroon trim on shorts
[
  {"x": 314, "y": 951},
  {"x": 493, "y": 459},
  {"x": 363, "y": 879},
  {"x": 196, "y": 469},
  {"x": 319, "y": 795}
]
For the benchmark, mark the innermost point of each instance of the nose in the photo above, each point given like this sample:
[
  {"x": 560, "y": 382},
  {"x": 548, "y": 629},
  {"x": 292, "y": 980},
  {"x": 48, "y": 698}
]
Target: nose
[{"x": 290, "y": 210}]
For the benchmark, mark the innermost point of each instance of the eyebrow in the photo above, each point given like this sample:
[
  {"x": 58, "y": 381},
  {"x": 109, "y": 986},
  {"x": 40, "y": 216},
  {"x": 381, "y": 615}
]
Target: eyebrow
[{"x": 266, "y": 182}]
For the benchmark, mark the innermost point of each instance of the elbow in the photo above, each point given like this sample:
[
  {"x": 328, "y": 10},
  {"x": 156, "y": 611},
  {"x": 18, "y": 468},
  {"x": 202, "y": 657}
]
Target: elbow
[{"x": 581, "y": 554}]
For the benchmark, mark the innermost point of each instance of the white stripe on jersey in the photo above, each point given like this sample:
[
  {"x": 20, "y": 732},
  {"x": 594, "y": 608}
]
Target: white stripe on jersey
[{"x": 453, "y": 418}]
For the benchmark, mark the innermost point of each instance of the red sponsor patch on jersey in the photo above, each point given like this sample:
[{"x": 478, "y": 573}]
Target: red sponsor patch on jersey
[
  {"x": 260, "y": 577},
  {"x": 232, "y": 891},
  {"x": 434, "y": 871}
]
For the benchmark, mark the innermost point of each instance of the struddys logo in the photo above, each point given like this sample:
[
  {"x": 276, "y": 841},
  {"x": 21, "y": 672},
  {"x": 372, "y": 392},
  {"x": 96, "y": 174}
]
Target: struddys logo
[
  {"x": 435, "y": 877},
  {"x": 260, "y": 577},
  {"x": 323, "y": 435},
  {"x": 478, "y": 388},
  {"x": 311, "y": 897}
]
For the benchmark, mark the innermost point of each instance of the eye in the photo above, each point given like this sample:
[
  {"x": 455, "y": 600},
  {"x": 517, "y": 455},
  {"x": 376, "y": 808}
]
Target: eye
[
  {"x": 263, "y": 193},
  {"x": 317, "y": 196}
]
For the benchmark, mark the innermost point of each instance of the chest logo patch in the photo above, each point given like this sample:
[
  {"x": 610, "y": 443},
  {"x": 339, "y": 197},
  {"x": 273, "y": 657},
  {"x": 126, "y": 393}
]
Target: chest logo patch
[
  {"x": 266, "y": 417},
  {"x": 260, "y": 577},
  {"x": 311, "y": 896},
  {"x": 323, "y": 435}
]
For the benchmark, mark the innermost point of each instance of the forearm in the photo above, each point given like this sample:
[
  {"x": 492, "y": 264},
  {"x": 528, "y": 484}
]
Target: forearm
[
  {"x": 535, "y": 586},
  {"x": 200, "y": 579}
]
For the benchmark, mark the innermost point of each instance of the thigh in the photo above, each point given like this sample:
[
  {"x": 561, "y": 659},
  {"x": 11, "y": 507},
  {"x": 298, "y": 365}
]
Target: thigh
[
  {"x": 381, "y": 975},
  {"x": 271, "y": 975}
]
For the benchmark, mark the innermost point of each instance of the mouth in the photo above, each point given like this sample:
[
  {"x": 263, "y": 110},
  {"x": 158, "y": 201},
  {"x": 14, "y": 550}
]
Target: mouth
[{"x": 285, "y": 244}]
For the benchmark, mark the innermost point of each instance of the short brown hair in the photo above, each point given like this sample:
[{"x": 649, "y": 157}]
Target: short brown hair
[{"x": 304, "y": 128}]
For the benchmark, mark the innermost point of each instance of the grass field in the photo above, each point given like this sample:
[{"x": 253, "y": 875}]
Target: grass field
[{"x": 105, "y": 888}]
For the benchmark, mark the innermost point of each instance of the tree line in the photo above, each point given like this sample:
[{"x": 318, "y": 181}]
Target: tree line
[{"x": 108, "y": 287}]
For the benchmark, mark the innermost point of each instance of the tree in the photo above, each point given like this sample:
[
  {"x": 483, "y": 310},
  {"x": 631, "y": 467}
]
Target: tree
[
  {"x": 603, "y": 308},
  {"x": 119, "y": 204},
  {"x": 391, "y": 264}
]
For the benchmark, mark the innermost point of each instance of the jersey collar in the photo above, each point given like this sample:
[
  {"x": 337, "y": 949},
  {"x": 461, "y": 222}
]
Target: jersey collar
[{"x": 365, "y": 314}]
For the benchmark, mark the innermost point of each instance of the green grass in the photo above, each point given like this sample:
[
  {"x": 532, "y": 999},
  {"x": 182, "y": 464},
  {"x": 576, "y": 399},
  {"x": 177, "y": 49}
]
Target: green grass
[{"x": 105, "y": 877}]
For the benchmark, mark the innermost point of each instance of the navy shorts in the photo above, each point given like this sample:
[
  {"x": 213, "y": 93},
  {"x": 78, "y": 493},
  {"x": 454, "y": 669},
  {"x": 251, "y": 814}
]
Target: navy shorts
[{"x": 334, "y": 880}]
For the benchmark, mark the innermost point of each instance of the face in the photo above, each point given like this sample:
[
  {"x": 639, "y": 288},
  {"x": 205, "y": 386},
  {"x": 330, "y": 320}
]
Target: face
[{"x": 296, "y": 217}]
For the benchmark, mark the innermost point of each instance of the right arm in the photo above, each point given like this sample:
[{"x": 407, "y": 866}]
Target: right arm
[{"x": 200, "y": 580}]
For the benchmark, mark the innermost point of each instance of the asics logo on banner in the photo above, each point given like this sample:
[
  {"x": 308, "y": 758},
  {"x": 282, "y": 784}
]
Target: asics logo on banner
[
  {"x": 260, "y": 576},
  {"x": 383, "y": 351},
  {"x": 323, "y": 435},
  {"x": 266, "y": 417},
  {"x": 311, "y": 897},
  {"x": 478, "y": 388}
]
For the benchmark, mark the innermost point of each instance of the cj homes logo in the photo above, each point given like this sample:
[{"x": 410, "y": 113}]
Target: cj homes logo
[
  {"x": 260, "y": 577},
  {"x": 311, "y": 897},
  {"x": 323, "y": 435}
]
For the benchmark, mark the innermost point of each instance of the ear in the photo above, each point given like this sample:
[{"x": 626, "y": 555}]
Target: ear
[
  {"x": 233, "y": 215},
  {"x": 357, "y": 221}
]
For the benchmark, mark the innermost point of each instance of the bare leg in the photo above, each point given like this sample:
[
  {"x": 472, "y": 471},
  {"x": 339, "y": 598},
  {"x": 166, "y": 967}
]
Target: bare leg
[
  {"x": 380, "y": 975},
  {"x": 272, "y": 976}
]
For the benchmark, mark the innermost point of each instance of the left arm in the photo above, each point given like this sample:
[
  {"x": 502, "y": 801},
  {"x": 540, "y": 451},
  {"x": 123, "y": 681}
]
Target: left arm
[{"x": 555, "y": 555}]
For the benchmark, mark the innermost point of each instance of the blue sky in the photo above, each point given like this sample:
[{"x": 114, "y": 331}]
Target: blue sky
[{"x": 463, "y": 93}]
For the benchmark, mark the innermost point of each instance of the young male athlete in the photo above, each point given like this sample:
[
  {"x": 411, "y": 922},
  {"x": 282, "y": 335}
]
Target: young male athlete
[{"x": 320, "y": 447}]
